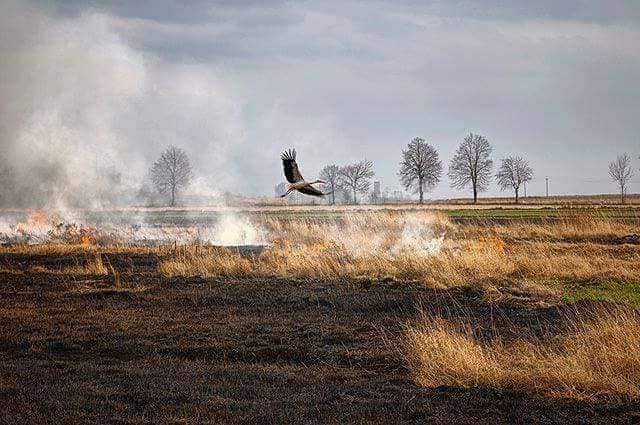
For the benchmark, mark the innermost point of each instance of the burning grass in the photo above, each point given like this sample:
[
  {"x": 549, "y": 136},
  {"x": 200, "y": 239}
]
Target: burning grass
[
  {"x": 420, "y": 246},
  {"x": 84, "y": 307},
  {"x": 597, "y": 358},
  {"x": 428, "y": 248}
]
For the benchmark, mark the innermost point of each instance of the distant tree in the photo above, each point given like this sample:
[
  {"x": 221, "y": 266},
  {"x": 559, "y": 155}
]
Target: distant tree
[
  {"x": 514, "y": 171},
  {"x": 357, "y": 177},
  {"x": 621, "y": 172},
  {"x": 347, "y": 197},
  {"x": 420, "y": 168},
  {"x": 331, "y": 174},
  {"x": 171, "y": 172},
  {"x": 472, "y": 164}
]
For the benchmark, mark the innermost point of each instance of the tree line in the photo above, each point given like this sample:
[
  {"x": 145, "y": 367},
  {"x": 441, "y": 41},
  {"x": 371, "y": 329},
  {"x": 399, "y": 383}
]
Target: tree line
[
  {"x": 420, "y": 171},
  {"x": 352, "y": 178},
  {"x": 471, "y": 167}
]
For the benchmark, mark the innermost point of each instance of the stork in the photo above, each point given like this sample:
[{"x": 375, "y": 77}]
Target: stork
[{"x": 295, "y": 179}]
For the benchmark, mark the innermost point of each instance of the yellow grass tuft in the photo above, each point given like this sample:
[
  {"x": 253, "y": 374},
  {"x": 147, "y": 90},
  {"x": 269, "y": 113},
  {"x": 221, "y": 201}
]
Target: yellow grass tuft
[
  {"x": 599, "y": 358},
  {"x": 206, "y": 263},
  {"x": 95, "y": 266}
]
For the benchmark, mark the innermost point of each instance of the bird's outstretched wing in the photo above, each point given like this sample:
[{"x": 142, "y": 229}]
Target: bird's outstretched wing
[
  {"x": 290, "y": 166},
  {"x": 310, "y": 190}
]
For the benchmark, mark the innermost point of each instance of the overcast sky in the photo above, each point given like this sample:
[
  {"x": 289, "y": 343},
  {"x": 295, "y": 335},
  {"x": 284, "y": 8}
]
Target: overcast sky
[{"x": 236, "y": 82}]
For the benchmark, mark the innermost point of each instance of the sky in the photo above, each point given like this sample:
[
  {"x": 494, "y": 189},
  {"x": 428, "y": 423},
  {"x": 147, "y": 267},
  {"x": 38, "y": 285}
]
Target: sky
[{"x": 93, "y": 91}]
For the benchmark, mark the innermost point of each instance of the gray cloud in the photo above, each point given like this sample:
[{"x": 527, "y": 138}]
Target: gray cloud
[{"x": 234, "y": 83}]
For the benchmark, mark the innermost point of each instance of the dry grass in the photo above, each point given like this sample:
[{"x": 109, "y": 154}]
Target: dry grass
[
  {"x": 210, "y": 263},
  {"x": 599, "y": 358},
  {"x": 93, "y": 265},
  {"x": 579, "y": 228},
  {"x": 423, "y": 246},
  {"x": 59, "y": 249},
  {"x": 426, "y": 247},
  {"x": 183, "y": 350}
]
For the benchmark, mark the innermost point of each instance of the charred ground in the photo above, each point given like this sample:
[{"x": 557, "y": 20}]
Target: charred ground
[
  {"x": 314, "y": 328},
  {"x": 156, "y": 349}
]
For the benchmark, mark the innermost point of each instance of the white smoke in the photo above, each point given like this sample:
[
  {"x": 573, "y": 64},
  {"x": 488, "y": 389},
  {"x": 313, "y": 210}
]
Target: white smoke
[
  {"x": 232, "y": 230},
  {"x": 64, "y": 88},
  {"x": 363, "y": 236},
  {"x": 84, "y": 114},
  {"x": 418, "y": 236},
  {"x": 40, "y": 227}
]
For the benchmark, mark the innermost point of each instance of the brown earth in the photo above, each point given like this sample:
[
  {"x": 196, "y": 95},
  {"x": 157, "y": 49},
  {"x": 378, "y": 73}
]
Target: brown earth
[{"x": 75, "y": 349}]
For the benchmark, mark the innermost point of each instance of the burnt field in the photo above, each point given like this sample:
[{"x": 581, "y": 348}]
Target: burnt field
[{"x": 462, "y": 323}]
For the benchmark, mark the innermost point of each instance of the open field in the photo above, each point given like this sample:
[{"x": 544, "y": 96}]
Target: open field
[
  {"x": 530, "y": 209},
  {"x": 371, "y": 316}
]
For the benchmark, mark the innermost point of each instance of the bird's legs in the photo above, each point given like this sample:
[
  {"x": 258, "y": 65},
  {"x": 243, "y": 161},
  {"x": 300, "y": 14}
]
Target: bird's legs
[{"x": 318, "y": 181}]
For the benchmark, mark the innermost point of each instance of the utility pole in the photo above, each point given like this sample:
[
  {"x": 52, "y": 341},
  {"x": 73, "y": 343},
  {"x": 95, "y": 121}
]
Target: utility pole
[{"x": 547, "y": 179}]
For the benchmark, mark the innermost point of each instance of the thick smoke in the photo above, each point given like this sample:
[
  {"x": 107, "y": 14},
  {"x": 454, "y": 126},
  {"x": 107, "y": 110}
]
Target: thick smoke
[{"x": 83, "y": 114}]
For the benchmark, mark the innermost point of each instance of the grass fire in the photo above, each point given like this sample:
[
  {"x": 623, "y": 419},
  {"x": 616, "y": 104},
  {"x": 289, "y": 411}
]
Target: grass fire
[
  {"x": 319, "y": 212},
  {"x": 335, "y": 303}
]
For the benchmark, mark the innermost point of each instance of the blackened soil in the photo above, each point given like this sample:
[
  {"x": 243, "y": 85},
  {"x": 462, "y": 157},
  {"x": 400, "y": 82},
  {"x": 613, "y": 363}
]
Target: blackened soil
[{"x": 77, "y": 350}]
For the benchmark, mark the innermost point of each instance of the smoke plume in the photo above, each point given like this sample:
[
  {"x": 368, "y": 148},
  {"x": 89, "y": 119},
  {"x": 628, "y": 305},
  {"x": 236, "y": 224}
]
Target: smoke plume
[{"x": 83, "y": 114}]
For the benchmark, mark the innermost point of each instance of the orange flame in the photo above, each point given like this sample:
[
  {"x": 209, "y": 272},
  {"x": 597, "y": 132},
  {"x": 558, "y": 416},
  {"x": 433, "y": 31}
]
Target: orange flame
[
  {"x": 85, "y": 240},
  {"x": 40, "y": 218}
]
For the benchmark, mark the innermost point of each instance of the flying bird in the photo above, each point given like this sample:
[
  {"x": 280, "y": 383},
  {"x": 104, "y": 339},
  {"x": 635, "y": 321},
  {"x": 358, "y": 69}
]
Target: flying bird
[{"x": 295, "y": 179}]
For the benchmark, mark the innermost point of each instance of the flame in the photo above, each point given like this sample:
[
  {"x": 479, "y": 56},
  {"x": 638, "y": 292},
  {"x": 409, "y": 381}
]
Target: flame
[
  {"x": 85, "y": 240},
  {"x": 37, "y": 224},
  {"x": 40, "y": 218}
]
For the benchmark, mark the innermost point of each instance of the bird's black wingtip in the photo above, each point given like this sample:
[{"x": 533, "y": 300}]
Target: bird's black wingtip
[{"x": 288, "y": 155}]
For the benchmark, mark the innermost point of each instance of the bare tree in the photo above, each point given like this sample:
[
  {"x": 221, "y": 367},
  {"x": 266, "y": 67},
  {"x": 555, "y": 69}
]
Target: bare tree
[
  {"x": 420, "y": 168},
  {"x": 472, "y": 164},
  {"x": 621, "y": 172},
  {"x": 357, "y": 177},
  {"x": 171, "y": 171},
  {"x": 331, "y": 174},
  {"x": 514, "y": 171},
  {"x": 347, "y": 198}
]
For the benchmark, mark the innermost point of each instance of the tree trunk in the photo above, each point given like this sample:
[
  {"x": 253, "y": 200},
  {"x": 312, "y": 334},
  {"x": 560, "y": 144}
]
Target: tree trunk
[
  {"x": 517, "y": 195},
  {"x": 355, "y": 200},
  {"x": 173, "y": 196},
  {"x": 622, "y": 195},
  {"x": 333, "y": 196},
  {"x": 475, "y": 194},
  {"x": 420, "y": 189}
]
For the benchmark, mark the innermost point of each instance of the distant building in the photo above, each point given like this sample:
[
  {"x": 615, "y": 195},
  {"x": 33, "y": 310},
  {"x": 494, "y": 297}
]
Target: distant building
[{"x": 376, "y": 190}]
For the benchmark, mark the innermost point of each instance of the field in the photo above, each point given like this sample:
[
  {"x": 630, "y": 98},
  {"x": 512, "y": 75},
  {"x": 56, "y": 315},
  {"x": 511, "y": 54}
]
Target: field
[{"x": 325, "y": 315}]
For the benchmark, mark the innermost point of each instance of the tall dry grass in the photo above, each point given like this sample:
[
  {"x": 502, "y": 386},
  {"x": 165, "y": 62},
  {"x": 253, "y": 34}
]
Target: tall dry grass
[
  {"x": 598, "y": 358},
  {"x": 205, "y": 263},
  {"x": 425, "y": 247},
  {"x": 93, "y": 265},
  {"x": 575, "y": 229}
]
